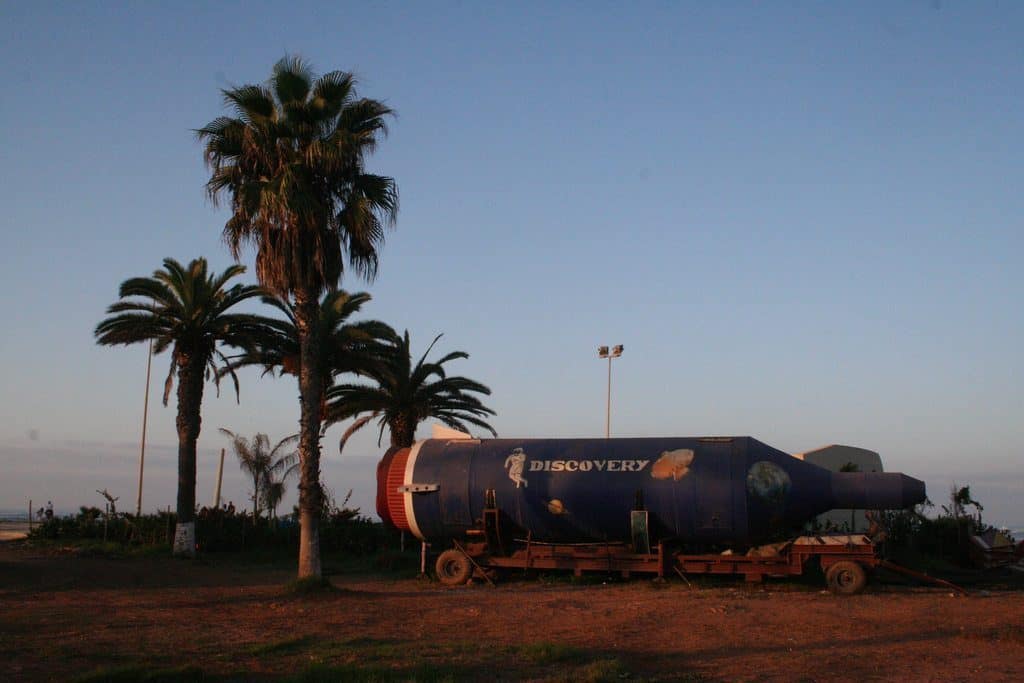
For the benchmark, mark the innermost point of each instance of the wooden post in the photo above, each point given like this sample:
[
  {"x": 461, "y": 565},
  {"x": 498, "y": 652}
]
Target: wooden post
[{"x": 220, "y": 477}]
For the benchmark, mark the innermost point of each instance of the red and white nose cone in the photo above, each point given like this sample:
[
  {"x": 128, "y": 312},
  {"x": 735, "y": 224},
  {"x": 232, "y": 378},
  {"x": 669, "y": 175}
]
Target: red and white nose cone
[{"x": 390, "y": 476}]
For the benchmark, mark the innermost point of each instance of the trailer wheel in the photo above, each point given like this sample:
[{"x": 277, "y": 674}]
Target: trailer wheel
[
  {"x": 846, "y": 578},
  {"x": 453, "y": 568}
]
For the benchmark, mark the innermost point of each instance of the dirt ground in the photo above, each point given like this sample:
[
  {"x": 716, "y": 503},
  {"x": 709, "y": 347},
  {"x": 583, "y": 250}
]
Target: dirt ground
[{"x": 63, "y": 616}]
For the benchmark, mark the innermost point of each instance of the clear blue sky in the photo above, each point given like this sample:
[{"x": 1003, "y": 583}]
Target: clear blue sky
[{"x": 803, "y": 221}]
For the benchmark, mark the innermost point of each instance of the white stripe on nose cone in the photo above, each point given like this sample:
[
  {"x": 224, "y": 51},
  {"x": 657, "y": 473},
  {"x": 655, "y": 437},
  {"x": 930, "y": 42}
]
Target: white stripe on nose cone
[{"x": 410, "y": 515}]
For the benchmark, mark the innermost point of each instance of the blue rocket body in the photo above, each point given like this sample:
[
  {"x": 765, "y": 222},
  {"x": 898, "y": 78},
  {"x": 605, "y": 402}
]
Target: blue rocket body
[{"x": 722, "y": 490}]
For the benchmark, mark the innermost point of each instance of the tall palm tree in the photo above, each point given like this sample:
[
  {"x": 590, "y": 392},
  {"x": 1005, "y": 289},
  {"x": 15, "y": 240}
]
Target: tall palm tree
[
  {"x": 264, "y": 464},
  {"x": 183, "y": 308},
  {"x": 291, "y": 160},
  {"x": 403, "y": 395}
]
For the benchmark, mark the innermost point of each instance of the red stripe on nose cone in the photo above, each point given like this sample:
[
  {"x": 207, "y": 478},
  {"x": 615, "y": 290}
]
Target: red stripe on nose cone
[{"x": 391, "y": 475}]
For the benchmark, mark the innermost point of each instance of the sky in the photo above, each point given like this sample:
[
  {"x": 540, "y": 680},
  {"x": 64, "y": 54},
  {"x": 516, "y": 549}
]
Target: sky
[{"x": 802, "y": 220}]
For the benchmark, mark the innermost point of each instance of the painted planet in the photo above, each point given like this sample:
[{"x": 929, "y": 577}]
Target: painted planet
[{"x": 768, "y": 481}]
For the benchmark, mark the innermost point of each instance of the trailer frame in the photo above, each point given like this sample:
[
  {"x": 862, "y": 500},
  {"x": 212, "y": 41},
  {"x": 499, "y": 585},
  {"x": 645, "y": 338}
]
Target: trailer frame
[
  {"x": 845, "y": 559},
  {"x": 776, "y": 560}
]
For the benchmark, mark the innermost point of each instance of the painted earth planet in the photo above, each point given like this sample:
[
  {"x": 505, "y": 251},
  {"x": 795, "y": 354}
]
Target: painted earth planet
[{"x": 768, "y": 481}]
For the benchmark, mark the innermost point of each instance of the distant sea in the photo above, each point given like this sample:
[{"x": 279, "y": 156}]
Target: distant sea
[
  {"x": 13, "y": 515},
  {"x": 13, "y": 524},
  {"x": 8, "y": 515}
]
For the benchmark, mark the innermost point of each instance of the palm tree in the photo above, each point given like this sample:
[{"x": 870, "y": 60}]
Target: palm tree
[
  {"x": 274, "y": 486},
  {"x": 264, "y": 464},
  {"x": 292, "y": 162},
  {"x": 183, "y": 308},
  {"x": 273, "y": 492},
  {"x": 403, "y": 395},
  {"x": 346, "y": 347}
]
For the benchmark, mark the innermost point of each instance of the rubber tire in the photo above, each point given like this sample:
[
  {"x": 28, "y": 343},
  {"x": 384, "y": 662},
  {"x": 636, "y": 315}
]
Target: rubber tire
[
  {"x": 846, "y": 578},
  {"x": 453, "y": 568}
]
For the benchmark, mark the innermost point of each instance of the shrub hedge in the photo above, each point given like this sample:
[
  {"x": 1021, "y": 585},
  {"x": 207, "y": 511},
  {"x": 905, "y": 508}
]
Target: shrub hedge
[{"x": 344, "y": 530}]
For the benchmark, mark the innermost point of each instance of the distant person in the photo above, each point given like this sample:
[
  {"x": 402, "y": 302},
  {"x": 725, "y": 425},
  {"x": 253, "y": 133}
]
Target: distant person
[
  {"x": 49, "y": 509},
  {"x": 231, "y": 507}
]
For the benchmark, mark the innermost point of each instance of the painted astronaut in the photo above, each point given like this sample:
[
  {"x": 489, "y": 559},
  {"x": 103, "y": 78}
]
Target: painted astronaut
[{"x": 515, "y": 464}]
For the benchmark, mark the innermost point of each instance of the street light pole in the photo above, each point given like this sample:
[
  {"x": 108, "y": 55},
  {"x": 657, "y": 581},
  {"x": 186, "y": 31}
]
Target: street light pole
[
  {"x": 608, "y": 404},
  {"x": 145, "y": 415},
  {"x": 604, "y": 352}
]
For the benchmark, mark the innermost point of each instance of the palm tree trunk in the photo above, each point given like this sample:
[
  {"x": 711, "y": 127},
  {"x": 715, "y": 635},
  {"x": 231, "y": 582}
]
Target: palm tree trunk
[
  {"x": 189, "y": 421},
  {"x": 403, "y": 431},
  {"x": 255, "y": 497},
  {"x": 307, "y": 311}
]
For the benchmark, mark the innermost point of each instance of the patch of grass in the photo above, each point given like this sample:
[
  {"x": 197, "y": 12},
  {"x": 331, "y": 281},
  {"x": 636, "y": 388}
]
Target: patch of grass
[
  {"x": 130, "y": 674},
  {"x": 470, "y": 648},
  {"x": 93, "y": 547},
  {"x": 287, "y": 646},
  {"x": 564, "y": 578},
  {"x": 1009, "y": 633},
  {"x": 353, "y": 673},
  {"x": 255, "y": 557},
  {"x": 694, "y": 677},
  {"x": 390, "y": 564},
  {"x": 551, "y": 653},
  {"x": 598, "y": 671},
  {"x": 311, "y": 585},
  {"x": 99, "y": 657},
  {"x": 929, "y": 563},
  {"x": 159, "y": 550},
  {"x": 569, "y": 664},
  {"x": 363, "y": 649}
]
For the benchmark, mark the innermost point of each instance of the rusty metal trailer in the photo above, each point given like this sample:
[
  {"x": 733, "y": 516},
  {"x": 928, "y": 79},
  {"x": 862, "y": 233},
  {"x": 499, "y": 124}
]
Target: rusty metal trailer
[
  {"x": 488, "y": 548},
  {"x": 845, "y": 560}
]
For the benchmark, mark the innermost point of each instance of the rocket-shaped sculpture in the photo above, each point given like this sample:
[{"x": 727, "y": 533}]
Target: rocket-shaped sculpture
[{"x": 716, "y": 490}]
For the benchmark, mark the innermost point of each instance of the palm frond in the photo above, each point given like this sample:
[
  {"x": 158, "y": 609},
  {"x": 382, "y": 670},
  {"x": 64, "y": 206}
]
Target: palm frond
[
  {"x": 291, "y": 163},
  {"x": 252, "y": 103},
  {"x": 291, "y": 80},
  {"x": 184, "y": 307},
  {"x": 401, "y": 395}
]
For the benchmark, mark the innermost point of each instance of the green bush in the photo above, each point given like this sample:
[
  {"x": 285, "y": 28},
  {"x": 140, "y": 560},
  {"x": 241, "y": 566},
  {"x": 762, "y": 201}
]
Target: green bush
[
  {"x": 342, "y": 531},
  {"x": 916, "y": 539},
  {"x": 91, "y": 523}
]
